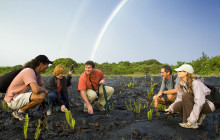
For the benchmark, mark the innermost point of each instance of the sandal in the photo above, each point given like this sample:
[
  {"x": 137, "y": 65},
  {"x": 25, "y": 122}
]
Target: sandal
[{"x": 193, "y": 126}]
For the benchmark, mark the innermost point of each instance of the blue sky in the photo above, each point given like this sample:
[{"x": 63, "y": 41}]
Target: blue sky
[{"x": 165, "y": 30}]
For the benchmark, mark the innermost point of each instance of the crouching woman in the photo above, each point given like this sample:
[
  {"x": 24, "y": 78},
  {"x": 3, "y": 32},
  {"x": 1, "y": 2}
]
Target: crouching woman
[
  {"x": 57, "y": 88},
  {"x": 191, "y": 101}
]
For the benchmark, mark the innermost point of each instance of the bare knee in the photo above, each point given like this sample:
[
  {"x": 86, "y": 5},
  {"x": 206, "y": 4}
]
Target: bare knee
[{"x": 171, "y": 98}]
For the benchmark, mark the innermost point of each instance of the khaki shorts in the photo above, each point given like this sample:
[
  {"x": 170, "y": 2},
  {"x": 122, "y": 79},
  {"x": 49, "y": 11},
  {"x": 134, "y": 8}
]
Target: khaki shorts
[{"x": 20, "y": 101}]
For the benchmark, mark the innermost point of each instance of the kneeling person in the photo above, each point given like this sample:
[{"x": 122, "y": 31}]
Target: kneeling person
[
  {"x": 18, "y": 95},
  {"x": 57, "y": 88},
  {"x": 90, "y": 90},
  {"x": 169, "y": 87}
]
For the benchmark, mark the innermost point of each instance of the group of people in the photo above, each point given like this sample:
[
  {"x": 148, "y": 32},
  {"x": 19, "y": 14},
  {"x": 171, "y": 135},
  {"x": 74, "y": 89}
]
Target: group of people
[
  {"x": 186, "y": 94},
  {"x": 27, "y": 90},
  {"x": 183, "y": 93}
]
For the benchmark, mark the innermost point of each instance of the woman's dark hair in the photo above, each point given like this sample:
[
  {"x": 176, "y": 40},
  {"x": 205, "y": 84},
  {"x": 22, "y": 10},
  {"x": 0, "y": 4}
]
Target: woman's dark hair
[
  {"x": 167, "y": 68},
  {"x": 90, "y": 63}
]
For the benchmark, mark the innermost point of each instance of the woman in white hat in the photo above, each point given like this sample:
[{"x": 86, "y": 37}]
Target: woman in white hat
[{"x": 191, "y": 101}]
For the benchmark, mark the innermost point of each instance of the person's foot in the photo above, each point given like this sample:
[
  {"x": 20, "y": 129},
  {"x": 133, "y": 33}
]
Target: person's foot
[
  {"x": 193, "y": 126},
  {"x": 17, "y": 115},
  {"x": 99, "y": 107},
  {"x": 49, "y": 112}
]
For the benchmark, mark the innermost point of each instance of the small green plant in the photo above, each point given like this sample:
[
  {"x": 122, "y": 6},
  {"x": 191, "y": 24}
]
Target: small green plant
[
  {"x": 38, "y": 130},
  {"x": 162, "y": 107},
  {"x": 151, "y": 104},
  {"x": 143, "y": 82},
  {"x": 150, "y": 93},
  {"x": 146, "y": 104},
  {"x": 128, "y": 107},
  {"x": 149, "y": 114},
  {"x": 4, "y": 105},
  {"x": 70, "y": 119},
  {"x": 137, "y": 107},
  {"x": 133, "y": 83},
  {"x": 26, "y": 126},
  {"x": 157, "y": 114},
  {"x": 111, "y": 107}
]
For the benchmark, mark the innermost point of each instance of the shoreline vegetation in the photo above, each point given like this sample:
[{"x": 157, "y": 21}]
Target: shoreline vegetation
[{"x": 203, "y": 66}]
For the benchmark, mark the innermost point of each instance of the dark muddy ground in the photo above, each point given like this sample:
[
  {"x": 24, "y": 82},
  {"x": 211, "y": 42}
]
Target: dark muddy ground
[{"x": 118, "y": 124}]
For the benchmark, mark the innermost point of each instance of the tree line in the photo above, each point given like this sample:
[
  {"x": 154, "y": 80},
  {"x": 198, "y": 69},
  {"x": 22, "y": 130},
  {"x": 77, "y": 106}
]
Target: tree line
[{"x": 204, "y": 66}]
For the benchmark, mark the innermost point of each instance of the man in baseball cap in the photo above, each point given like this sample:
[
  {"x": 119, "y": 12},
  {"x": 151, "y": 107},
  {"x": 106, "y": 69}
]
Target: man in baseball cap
[{"x": 43, "y": 59}]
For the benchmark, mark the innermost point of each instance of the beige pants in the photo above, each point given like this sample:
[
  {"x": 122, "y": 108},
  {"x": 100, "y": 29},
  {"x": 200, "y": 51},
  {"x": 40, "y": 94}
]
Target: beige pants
[
  {"x": 20, "y": 101},
  {"x": 92, "y": 95}
]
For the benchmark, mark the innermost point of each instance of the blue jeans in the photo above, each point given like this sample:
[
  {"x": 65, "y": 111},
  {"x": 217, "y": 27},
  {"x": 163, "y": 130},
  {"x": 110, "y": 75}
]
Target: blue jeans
[{"x": 51, "y": 99}]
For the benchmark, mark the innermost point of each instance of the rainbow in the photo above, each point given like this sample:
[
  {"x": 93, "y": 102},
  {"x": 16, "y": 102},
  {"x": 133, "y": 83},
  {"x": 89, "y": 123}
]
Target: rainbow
[{"x": 105, "y": 27}]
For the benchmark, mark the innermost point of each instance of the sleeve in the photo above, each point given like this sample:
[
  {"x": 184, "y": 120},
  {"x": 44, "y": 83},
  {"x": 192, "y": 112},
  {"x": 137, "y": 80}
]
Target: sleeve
[
  {"x": 178, "y": 99},
  {"x": 82, "y": 83},
  {"x": 102, "y": 75},
  {"x": 51, "y": 85},
  {"x": 162, "y": 88},
  {"x": 69, "y": 80},
  {"x": 177, "y": 82},
  {"x": 29, "y": 76},
  {"x": 199, "y": 99}
]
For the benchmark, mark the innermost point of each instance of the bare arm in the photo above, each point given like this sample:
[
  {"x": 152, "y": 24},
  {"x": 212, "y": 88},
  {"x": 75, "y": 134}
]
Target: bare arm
[
  {"x": 38, "y": 89},
  {"x": 89, "y": 106}
]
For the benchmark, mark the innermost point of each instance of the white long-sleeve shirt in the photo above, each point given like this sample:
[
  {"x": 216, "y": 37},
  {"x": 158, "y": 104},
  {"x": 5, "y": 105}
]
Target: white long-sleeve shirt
[{"x": 199, "y": 92}]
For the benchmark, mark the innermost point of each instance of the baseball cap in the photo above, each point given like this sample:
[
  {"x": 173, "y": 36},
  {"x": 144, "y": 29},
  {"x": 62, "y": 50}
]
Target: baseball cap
[
  {"x": 43, "y": 58},
  {"x": 185, "y": 67}
]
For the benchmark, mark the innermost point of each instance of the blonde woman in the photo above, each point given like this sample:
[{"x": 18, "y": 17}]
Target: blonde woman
[
  {"x": 191, "y": 101},
  {"x": 57, "y": 88}
]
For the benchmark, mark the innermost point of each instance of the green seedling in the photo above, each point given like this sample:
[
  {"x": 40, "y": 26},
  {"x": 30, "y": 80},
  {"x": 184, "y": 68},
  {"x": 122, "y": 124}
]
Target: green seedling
[
  {"x": 149, "y": 114},
  {"x": 38, "y": 130},
  {"x": 111, "y": 107},
  {"x": 26, "y": 126},
  {"x": 150, "y": 93},
  {"x": 70, "y": 119},
  {"x": 133, "y": 83},
  {"x": 161, "y": 107},
  {"x": 4, "y": 105},
  {"x": 157, "y": 114},
  {"x": 128, "y": 107},
  {"x": 146, "y": 104},
  {"x": 137, "y": 107},
  {"x": 151, "y": 104}
]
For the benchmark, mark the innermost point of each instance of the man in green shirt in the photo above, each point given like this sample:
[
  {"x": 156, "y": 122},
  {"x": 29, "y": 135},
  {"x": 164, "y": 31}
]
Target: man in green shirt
[{"x": 169, "y": 87}]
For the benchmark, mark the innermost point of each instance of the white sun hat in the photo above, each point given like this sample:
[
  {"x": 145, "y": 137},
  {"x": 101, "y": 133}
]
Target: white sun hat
[{"x": 185, "y": 67}]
